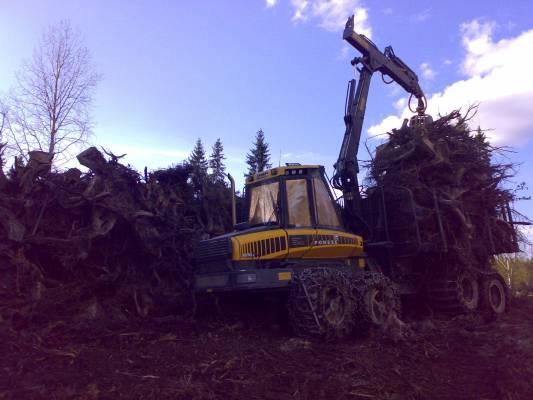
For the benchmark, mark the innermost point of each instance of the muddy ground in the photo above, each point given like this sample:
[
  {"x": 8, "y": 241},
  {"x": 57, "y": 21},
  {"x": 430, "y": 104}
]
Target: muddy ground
[{"x": 222, "y": 358}]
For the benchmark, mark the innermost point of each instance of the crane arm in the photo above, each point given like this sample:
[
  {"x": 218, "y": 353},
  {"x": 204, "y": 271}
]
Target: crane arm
[
  {"x": 387, "y": 62},
  {"x": 372, "y": 60}
]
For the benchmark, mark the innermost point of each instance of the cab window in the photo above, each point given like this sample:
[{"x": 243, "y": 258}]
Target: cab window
[
  {"x": 325, "y": 210},
  {"x": 298, "y": 201},
  {"x": 264, "y": 204}
]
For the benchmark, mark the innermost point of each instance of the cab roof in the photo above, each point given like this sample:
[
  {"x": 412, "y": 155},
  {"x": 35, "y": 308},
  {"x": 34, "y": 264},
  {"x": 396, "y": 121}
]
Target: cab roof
[{"x": 288, "y": 169}]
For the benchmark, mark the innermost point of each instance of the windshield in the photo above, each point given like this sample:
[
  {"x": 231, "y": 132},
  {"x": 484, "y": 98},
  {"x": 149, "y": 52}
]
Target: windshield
[
  {"x": 298, "y": 202},
  {"x": 325, "y": 210},
  {"x": 264, "y": 203}
]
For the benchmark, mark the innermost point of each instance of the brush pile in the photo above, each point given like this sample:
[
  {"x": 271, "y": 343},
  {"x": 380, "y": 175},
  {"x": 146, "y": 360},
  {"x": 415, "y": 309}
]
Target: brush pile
[
  {"x": 104, "y": 245},
  {"x": 443, "y": 191}
]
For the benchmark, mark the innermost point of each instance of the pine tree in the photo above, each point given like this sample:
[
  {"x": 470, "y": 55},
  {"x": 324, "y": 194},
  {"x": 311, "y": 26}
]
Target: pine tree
[
  {"x": 198, "y": 165},
  {"x": 216, "y": 162},
  {"x": 258, "y": 159}
]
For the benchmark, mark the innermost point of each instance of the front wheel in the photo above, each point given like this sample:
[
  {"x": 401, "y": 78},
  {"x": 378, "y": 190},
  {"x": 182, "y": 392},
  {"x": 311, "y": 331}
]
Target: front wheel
[{"x": 321, "y": 304}]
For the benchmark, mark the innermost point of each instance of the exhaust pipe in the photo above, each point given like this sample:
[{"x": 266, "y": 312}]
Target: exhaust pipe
[{"x": 233, "y": 200}]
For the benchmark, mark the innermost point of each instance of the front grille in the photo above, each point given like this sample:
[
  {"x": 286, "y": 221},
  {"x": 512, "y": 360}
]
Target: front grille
[
  {"x": 213, "y": 249},
  {"x": 263, "y": 247}
]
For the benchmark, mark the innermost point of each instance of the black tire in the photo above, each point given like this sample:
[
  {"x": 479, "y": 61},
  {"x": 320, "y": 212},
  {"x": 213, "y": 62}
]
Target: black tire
[
  {"x": 468, "y": 291},
  {"x": 378, "y": 301},
  {"x": 321, "y": 304},
  {"x": 495, "y": 296},
  {"x": 458, "y": 295}
]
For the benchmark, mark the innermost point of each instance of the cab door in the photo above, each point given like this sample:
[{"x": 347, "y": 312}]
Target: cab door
[
  {"x": 299, "y": 217},
  {"x": 331, "y": 240}
]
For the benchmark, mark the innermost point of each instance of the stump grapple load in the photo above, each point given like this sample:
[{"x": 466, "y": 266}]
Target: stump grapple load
[{"x": 426, "y": 224}]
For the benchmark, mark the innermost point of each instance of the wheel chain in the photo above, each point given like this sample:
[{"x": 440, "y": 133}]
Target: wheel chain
[
  {"x": 306, "y": 318},
  {"x": 307, "y": 321},
  {"x": 361, "y": 285}
]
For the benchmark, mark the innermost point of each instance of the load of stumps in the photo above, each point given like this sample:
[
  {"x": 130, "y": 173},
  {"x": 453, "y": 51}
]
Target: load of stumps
[
  {"x": 108, "y": 244},
  {"x": 445, "y": 191}
]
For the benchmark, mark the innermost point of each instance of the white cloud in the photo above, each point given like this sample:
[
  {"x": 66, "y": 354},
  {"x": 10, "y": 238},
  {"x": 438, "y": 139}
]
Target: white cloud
[
  {"x": 332, "y": 14},
  {"x": 386, "y": 125},
  {"x": 497, "y": 75},
  {"x": 510, "y": 25},
  {"x": 421, "y": 16},
  {"x": 400, "y": 104},
  {"x": 307, "y": 157},
  {"x": 271, "y": 3},
  {"x": 477, "y": 40},
  {"x": 300, "y": 7},
  {"x": 394, "y": 91},
  {"x": 344, "y": 52},
  {"x": 427, "y": 72},
  {"x": 447, "y": 62}
]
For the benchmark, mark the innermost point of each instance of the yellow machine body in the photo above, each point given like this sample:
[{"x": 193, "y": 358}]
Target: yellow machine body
[
  {"x": 293, "y": 223},
  {"x": 296, "y": 243}
]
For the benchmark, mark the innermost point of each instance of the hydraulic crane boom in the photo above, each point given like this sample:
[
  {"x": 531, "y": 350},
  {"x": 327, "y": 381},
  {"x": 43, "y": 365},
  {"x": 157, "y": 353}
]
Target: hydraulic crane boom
[{"x": 372, "y": 60}]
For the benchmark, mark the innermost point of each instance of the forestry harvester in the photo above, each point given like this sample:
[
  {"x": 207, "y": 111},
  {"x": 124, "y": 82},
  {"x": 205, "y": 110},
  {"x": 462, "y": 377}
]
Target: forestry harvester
[{"x": 346, "y": 262}]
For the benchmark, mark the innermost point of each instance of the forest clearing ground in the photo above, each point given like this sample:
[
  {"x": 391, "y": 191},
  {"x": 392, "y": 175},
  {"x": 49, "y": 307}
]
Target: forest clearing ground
[{"x": 462, "y": 358}]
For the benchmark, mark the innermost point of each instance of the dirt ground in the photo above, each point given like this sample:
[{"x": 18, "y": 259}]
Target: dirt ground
[{"x": 213, "y": 358}]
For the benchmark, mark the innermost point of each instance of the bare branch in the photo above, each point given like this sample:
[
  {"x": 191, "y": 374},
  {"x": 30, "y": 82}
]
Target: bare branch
[
  {"x": 51, "y": 102},
  {"x": 114, "y": 158}
]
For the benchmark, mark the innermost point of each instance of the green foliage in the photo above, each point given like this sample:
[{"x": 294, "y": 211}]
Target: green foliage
[
  {"x": 258, "y": 159},
  {"x": 211, "y": 202},
  {"x": 516, "y": 270},
  {"x": 198, "y": 165},
  {"x": 216, "y": 162}
]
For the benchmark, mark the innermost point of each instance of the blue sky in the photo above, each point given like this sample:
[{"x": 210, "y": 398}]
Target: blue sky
[{"x": 174, "y": 71}]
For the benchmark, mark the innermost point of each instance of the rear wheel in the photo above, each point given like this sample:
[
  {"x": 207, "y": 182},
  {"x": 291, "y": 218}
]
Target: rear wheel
[
  {"x": 468, "y": 291},
  {"x": 494, "y": 296},
  {"x": 460, "y": 294},
  {"x": 321, "y": 304}
]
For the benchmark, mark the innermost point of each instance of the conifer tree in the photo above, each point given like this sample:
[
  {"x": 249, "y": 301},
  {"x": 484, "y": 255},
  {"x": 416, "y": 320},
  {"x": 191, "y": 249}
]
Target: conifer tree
[
  {"x": 258, "y": 159},
  {"x": 216, "y": 162},
  {"x": 198, "y": 164}
]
